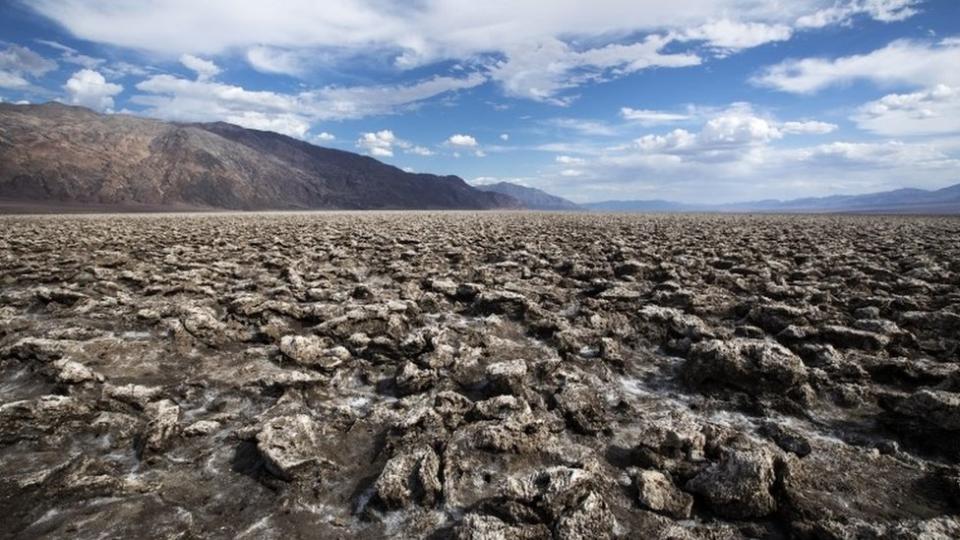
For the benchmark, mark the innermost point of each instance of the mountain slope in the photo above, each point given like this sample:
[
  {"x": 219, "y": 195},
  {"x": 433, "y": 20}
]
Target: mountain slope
[
  {"x": 531, "y": 198},
  {"x": 899, "y": 201},
  {"x": 71, "y": 156}
]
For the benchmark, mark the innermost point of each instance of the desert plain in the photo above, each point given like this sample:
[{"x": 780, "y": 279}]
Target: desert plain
[{"x": 479, "y": 375}]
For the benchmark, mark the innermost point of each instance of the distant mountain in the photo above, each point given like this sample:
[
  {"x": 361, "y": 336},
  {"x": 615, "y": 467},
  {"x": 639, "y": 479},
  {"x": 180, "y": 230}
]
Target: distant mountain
[
  {"x": 636, "y": 206},
  {"x": 71, "y": 157},
  {"x": 531, "y": 198},
  {"x": 900, "y": 201}
]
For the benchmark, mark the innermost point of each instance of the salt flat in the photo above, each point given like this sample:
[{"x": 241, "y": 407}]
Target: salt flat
[{"x": 479, "y": 375}]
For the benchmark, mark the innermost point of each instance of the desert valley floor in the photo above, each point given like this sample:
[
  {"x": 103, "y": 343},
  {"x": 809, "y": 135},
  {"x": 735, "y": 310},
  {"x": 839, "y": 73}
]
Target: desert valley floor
[{"x": 479, "y": 375}]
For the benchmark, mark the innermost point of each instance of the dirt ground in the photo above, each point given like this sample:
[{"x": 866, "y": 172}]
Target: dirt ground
[{"x": 479, "y": 375}]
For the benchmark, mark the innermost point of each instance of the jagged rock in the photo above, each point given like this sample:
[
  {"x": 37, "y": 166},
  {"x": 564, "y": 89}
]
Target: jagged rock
[
  {"x": 411, "y": 379},
  {"x": 672, "y": 442},
  {"x": 502, "y": 407},
  {"x": 487, "y": 527},
  {"x": 72, "y": 372},
  {"x": 848, "y": 338},
  {"x": 787, "y": 439},
  {"x": 164, "y": 418},
  {"x": 411, "y": 477},
  {"x": 658, "y": 493},
  {"x": 508, "y": 303},
  {"x": 506, "y": 377},
  {"x": 775, "y": 317},
  {"x": 590, "y": 518},
  {"x": 132, "y": 394},
  {"x": 739, "y": 485},
  {"x": 31, "y": 418},
  {"x": 202, "y": 427},
  {"x": 311, "y": 351},
  {"x": 582, "y": 407},
  {"x": 928, "y": 418},
  {"x": 203, "y": 324},
  {"x": 746, "y": 364},
  {"x": 290, "y": 444}
]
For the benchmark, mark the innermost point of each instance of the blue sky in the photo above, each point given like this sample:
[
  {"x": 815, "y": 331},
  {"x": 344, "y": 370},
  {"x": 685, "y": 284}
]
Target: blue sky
[{"x": 689, "y": 100}]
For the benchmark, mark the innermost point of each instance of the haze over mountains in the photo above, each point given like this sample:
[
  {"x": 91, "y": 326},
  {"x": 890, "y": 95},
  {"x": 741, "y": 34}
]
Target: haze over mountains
[
  {"x": 531, "y": 198},
  {"x": 899, "y": 201},
  {"x": 59, "y": 155}
]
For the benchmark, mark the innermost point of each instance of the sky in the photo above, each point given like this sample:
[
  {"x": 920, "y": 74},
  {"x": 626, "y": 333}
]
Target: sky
[{"x": 689, "y": 100}]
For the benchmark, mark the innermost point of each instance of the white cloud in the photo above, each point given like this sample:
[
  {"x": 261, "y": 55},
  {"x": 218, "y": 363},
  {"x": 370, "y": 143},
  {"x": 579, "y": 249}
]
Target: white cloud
[
  {"x": 383, "y": 143},
  {"x": 462, "y": 141},
  {"x": 175, "y": 98},
  {"x": 583, "y": 126},
  {"x": 22, "y": 61},
  {"x": 286, "y": 124},
  {"x": 205, "y": 69},
  {"x": 18, "y": 63},
  {"x": 532, "y": 52},
  {"x": 731, "y": 35},
  {"x": 323, "y": 136},
  {"x": 905, "y": 62},
  {"x": 932, "y": 111},
  {"x": 728, "y": 136},
  {"x": 377, "y": 144},
  {"x": 277, "y": 60},
  {"x": 647, "y": 117},
  {"x": 504, "y": 137},
  {"x": 12, "y": 81},
  {"x": 89, "y": 88},
  {"x": 73, "y": 56},
  {"x": 570, "y": 160},
  {"x": 881, "y": 10},
  {"x": 808, "y": 128},
  {"x": 684, "y": 171},
  {"x": 539, "y": 70},
  {"x": 419, "y": 150}
]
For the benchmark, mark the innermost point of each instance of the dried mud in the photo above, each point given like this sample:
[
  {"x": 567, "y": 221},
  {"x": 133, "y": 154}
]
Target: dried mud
[{"x": 475, "y": 375}]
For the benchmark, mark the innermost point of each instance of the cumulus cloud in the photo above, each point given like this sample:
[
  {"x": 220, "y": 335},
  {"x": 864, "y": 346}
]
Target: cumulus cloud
[
  {"x": 89, "y": 88},
  {"x": 912, "y": 63},
  {"x": 531, "y": 52},
  {"x": 205, "y": 69},
  {"x": 728, "y": 136},
  {"x": 504, "y": 137},
  {"x": 383, "y": 143},
  {"x": 378, "y": 143},
  {"x": 323, "y": 136},
  {"x": 462, "y": 141},
  {"x": 934, "y": 110}
]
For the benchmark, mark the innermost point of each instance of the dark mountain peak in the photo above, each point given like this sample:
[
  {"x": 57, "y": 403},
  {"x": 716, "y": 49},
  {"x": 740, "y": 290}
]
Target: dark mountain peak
[{"x": 64, "y": 155}]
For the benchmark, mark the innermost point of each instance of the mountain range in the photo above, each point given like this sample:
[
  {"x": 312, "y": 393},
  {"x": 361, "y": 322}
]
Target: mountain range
[
  {"x": 71, "y": 157},
  {"x": 55, "y": 157},
  {"x": 531, "y": 198},
  {"x": 899, "y": 201}
]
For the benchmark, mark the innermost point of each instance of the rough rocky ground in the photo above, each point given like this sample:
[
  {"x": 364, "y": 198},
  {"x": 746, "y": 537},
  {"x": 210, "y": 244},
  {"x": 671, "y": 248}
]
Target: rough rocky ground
[{"x": 479, "y": 375}]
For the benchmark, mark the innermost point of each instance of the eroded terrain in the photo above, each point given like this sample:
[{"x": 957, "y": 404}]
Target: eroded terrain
[{"x": 478, "y": 375}]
